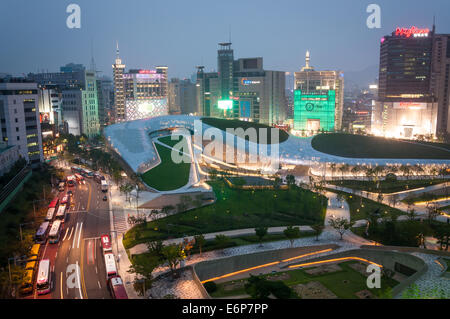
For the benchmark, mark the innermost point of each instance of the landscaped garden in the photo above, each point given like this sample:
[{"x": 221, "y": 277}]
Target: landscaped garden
[
  {"x": 168, "y": 175},
  {"x": 362, "y": 208},
  {"x": 344, "y": 280},
  {"x": 387, "y": 186},
  {"x": 223, "y": 124},
  {"x": 360, "y": 146},
  {"x": 236, "y": 209}
]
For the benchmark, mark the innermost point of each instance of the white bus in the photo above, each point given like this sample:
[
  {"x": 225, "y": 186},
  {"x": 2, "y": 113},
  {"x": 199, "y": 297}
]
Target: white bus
[
  {"x": 55, "y": 232},
  {"x": 41, "y": 234},
  {"x": 61, "y": 213},
  {"x": 50, "y": 214},
  {"x": 110, "y": 263},
  {"x": 104, "y": 186},
  {"x": 43, "y": 278}
]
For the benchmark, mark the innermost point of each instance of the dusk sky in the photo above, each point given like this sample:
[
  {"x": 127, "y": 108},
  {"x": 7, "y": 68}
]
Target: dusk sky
[{"x": 183, "y": 34}]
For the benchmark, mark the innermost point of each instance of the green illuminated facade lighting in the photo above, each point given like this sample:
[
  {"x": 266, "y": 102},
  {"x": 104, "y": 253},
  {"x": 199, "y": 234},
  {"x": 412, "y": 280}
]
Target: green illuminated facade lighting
[
  {"x": 225, "y": 104},
  {"x": 314, "y": 111}
]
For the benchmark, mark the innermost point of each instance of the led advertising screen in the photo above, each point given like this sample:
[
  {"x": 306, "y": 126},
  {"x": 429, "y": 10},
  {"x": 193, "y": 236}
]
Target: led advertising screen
[
  {"x": 314, "y": 111},
  {"x": 245, "y": 109},
  {"x": 141, "y": 109},
  {"x": 225, "y": 104}
]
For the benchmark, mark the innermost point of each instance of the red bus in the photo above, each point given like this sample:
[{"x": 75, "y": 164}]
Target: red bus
[
  {"x": 116, "y": 288},
  {"x": 71, "y": 181},
  {"x": 65, "y": 200},
  {"x": 53, "y": 203},
  {"x": 106, "y": 244}
]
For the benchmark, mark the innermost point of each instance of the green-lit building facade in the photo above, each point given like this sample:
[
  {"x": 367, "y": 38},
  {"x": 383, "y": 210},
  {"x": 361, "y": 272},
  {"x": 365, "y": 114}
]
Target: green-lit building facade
[{"x": 314, "y": 111}]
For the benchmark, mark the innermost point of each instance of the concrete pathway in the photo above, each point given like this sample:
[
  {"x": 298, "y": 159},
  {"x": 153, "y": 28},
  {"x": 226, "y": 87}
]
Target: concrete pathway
[{"x": 142, "y": 248}]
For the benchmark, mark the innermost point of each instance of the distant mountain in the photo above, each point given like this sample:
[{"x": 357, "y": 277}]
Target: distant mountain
[{"x": 361, "y": 79}]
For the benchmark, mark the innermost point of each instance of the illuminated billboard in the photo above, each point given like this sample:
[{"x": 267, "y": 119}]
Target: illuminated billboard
[
  {"x": 245, "y": 109},
  {"x": 315, "y": 110},
  {"x": 141, "y": 109},
  {"x": 225, "y": 104}
]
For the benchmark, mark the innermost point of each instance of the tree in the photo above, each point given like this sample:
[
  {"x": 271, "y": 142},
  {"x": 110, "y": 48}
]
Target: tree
[
  {"x": 187, "y": 246},
  {"x": 292, "y": 233},
  {"x": 341, "y": 225},
  {"x": 213, "y": 174},
  {"x": 333, "y": 169},
  {"x": 260, "y": 233},
  {"x": 318, "y": 228},
  {"x": 200, "y": 242},
  {"x": 173, "y": 255},
  {"x": 276, "y": 183},
  {"x": 257, "y": 288},
  {"x": 411, "y": 214},
  {"x": 221, "y": 241},
  {"x": 432, "y": 211},
  {"x": 144, "y": 267},
  {"x": 356, "y": 170},
  {"x": 344, "y": 168},
  {"x": 290, "y": 181}
]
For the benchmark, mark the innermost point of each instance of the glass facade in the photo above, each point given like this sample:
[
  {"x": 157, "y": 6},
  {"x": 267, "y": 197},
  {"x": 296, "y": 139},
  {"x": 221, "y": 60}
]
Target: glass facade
[{"x": 314, "y": 111}]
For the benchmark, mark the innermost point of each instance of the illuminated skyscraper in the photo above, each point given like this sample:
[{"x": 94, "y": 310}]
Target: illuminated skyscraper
[
  {"x": 119, "y": 88},
  {"x": 318, "y": 99}
]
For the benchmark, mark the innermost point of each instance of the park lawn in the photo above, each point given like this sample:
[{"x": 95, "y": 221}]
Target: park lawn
[
  {"x": 360, "y": 146},
  {"x": 236, "y": 209},
  {"x": 223, "y": 124},
  {"x": 365, "y": 206},
  {"x": 168, "y": 175},
  {"x": 387, "y": 186},
  {"x": 335, "y": 282},
  {"x": 425, "y": 197}
]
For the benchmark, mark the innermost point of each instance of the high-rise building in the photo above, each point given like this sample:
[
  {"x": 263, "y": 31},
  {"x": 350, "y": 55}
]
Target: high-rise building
[
  {"x": 182, "y": 97},
  {"x": 241, "y": 89},
  {"x": 413, "y": 91},
  {"x": 19, "y": 118},
  {"x": 119, "y": 88},
  {"x": 318, "y": 99},
  {"x": 80, "y": 107}
]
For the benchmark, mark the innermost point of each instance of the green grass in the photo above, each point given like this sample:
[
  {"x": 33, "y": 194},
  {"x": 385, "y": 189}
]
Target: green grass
[
  {"x": 425, "y": 197},
  {"x": 236, "y": 209},
  {"x": 233, "y": 124},
  {"x": 359, "y": 146},
  {"x": 355, "y": 282},
  {"x": 168, "y": 175},
  {"x": 365, "y": 206},
  {"x": 387, "y": 186}
]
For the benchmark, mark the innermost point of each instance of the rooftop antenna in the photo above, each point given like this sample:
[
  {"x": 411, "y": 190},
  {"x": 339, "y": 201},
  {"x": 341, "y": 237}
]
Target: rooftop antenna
[
  {"x": 229, "y": 33},
  {"x": 434, "y": 23}
]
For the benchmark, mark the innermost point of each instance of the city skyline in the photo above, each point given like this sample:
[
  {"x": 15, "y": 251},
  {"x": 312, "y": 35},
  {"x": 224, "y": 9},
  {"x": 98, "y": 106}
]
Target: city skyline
[{"x": 355, "y": 47}]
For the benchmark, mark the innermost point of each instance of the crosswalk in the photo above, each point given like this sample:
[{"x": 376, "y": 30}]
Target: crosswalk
[{"x": 120, "y": 221}]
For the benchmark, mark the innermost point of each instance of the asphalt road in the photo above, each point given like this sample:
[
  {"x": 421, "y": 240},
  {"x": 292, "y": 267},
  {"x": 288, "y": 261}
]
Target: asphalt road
[{"x": 77, "y": 264}]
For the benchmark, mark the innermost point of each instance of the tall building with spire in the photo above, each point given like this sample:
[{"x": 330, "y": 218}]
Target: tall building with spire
[
  {"x": 119, "y": 88},
  {"x": 241, "y": 89},
  {"x": 318, "y": 99}
]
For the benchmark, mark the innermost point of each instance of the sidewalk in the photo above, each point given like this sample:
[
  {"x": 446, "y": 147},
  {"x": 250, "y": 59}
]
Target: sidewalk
[{"x": 142, "y": 248}]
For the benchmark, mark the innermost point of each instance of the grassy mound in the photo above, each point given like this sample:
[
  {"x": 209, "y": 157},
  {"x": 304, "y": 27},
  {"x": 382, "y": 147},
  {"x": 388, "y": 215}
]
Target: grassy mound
[
  {"x": 233, "y": 124},
  {"x": 359, "y": 146}
]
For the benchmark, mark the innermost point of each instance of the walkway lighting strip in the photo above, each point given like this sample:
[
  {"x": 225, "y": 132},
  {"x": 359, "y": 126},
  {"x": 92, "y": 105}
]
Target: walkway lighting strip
[
  {"x": 265, "y": 265},
  {"x": 334, "y": 260}
]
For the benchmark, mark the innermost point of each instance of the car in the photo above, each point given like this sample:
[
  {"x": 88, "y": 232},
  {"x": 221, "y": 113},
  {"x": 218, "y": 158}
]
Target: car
[{"x": 105, "y": 198}]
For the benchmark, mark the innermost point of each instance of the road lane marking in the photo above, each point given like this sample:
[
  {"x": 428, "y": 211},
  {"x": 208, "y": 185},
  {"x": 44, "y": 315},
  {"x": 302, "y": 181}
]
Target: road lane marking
[
  {"x": 71, "y": 231},
  {"x": 82, "y": 271},
  {"x": 79, "y": 235},
  {"x": 62, "y": 296},
  {"x": 75, "y": 236},
  {"x": 79, "y": 284},
  {"x": 99, "y": 284},
  {"x": 65, "y": 235},
  {"x": 96, "y": 270}
]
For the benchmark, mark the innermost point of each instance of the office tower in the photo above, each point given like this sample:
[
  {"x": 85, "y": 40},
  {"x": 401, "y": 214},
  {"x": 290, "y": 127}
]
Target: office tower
[
  {"x": 241, "y": 89},
  {"x": 318, "y": 99},
  {"x": 182, "y": 97},
  {"x": 413, "y": 91},
  {"x": 19, "y": 118}
]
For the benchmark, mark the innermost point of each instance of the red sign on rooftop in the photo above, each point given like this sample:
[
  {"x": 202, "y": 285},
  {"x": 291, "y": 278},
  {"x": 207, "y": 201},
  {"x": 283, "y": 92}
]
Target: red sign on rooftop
[{"x": 412, "y": 32}]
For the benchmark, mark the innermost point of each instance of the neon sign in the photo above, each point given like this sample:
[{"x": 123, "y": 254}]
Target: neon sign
[
  {"x": 147, "y": 71},
  {"x": 245, "y": 81},
  {"x": 413, "y": 31}
]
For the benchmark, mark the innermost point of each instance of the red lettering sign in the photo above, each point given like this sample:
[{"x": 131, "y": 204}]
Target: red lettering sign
[{"x": 413, "y": 31}]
